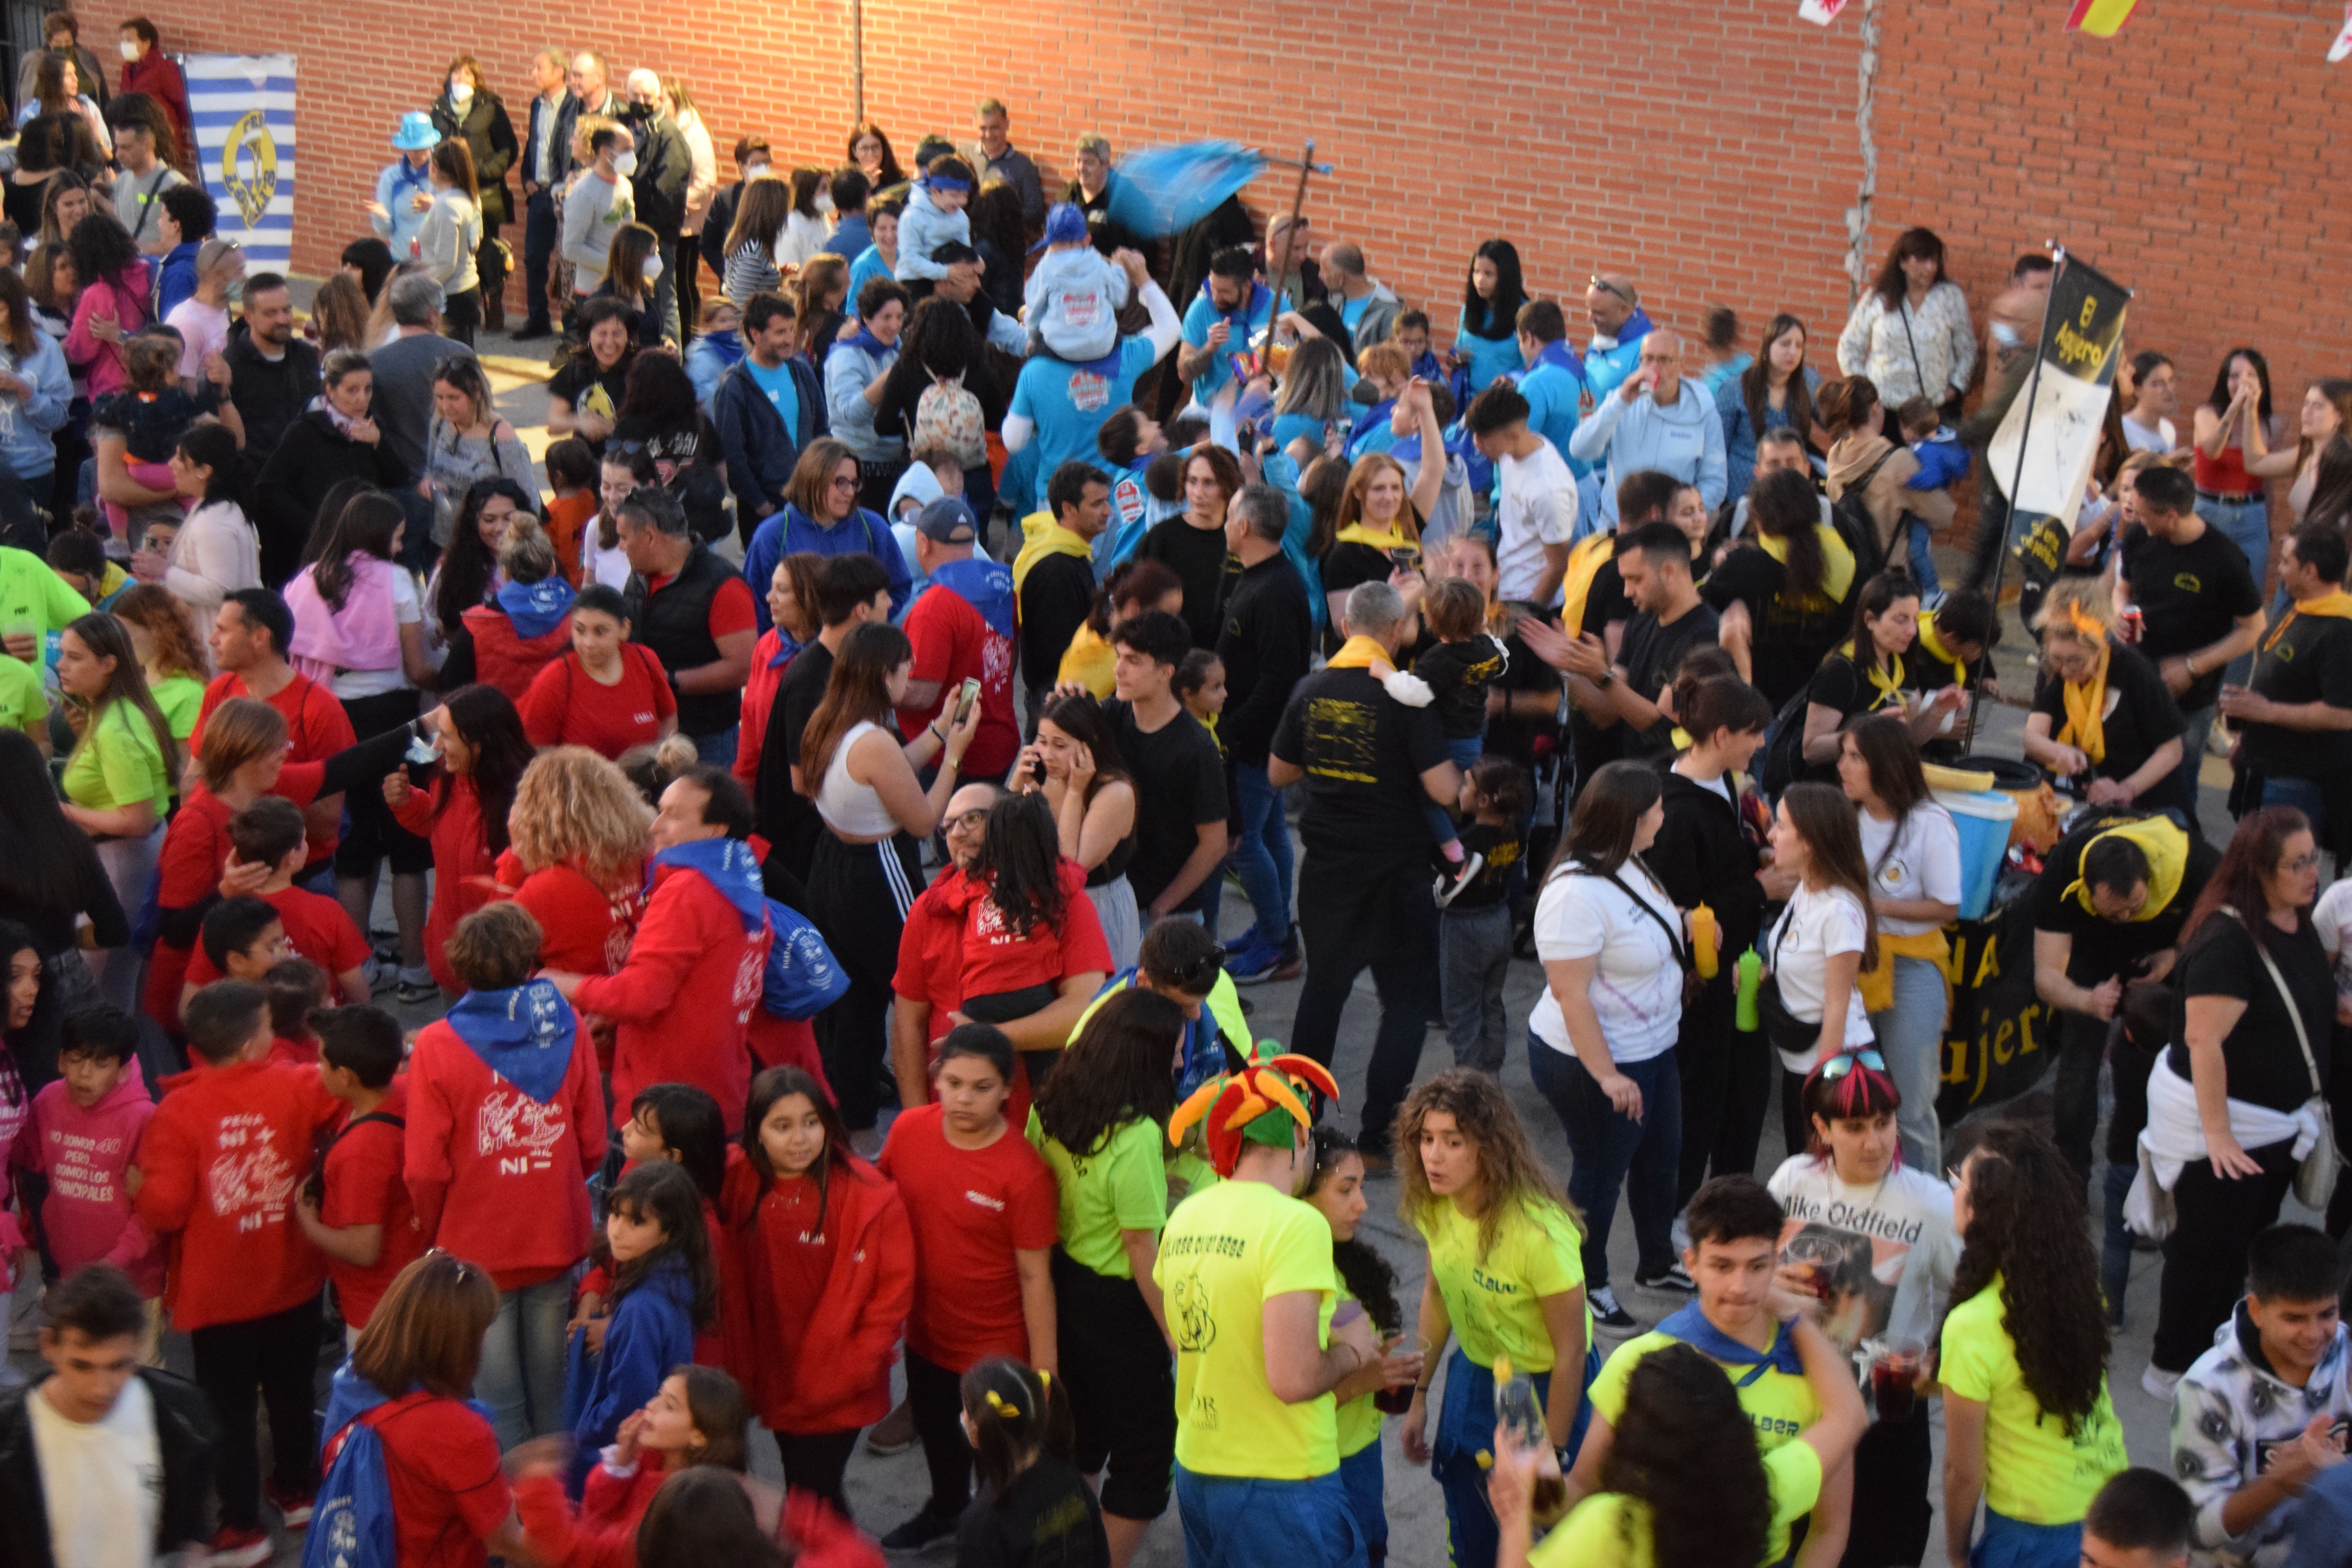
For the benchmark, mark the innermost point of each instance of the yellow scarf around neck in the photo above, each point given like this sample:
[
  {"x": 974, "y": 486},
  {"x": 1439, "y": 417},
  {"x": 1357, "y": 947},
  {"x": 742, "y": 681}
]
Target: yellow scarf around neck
[
  {"x": 1043, "y": 535},
  {"x": 1381, "y": 540},
  {"x": 1360, "y": 653},
  {"x": 2337, "y": 603},
  {"x": 2087, "y": 705},
  {"x": 1938, "y": 652},
  {"x": 1887, "y": 682},
  {"x": 1837, "y": 560}
]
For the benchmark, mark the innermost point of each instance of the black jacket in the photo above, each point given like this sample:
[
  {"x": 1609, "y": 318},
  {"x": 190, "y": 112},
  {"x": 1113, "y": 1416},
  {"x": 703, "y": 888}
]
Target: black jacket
[
  {"x": 559, "y": 156},
  {"x": 490, "y": 138},
  {"x": 676, "y": 623},
  {"x": 312, "y": 455},
  {"x": 270, "y": 395},
  {"x": 665, "y": 167},
  {"x": 1265, "y": 644},
  {"x": 1703, "y": 856},
  {"x": 186, "y": 1437},
  {"x": 712, "y": 240}
]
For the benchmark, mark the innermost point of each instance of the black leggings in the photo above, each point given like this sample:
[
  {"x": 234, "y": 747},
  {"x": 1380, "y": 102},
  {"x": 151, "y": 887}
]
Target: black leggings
[
  {"x": 814, "y": 1462},
  {"x": 858, "y": 897},
  {"x": 1122, "y": 1387},
  {"x": 277, "y": 1355},
  {"x": 2205, "y": 1256},
  {"x": 1891, "y": 1515},
  {"x": 1726, "y": 1077},
  {"x": 935, "y": 1396},
  {"x": 374, "y": 834}
]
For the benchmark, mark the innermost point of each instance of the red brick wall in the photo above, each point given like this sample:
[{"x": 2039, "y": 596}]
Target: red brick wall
[{"x": 1707, "y": 148}]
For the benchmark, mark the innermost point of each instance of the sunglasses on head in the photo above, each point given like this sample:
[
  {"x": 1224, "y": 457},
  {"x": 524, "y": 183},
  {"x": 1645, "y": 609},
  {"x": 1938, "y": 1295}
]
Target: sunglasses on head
[
  {"x": 1606, "y": 287},
  {"x": 1197, "y": 979},
  {"x": 1838, "y": 1066}
]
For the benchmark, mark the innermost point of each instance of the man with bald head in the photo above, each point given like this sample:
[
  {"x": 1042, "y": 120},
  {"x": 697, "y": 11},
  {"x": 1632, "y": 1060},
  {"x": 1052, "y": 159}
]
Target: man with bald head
[
  {"x": 1614, "y": 307},
  {"x": 1368, "y": 308},
  {"x": 1656, "y": 419}
]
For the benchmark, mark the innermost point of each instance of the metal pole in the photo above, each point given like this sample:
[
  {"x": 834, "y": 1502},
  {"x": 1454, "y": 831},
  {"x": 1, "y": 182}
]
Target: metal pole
[
  {"x": 2017, "y": 477},
  {"x": 1298, "y": 204},
  {"x": 857, "y": 61}
]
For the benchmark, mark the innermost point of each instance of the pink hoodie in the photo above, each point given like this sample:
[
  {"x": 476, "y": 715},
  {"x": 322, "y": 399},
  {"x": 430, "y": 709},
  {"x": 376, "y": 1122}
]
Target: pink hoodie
[{"x": 85, "y": 1153}]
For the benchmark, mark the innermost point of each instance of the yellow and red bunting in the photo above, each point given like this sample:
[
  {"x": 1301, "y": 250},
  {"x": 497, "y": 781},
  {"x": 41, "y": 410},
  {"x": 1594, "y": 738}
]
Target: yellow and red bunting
[{"x": 2100, "y": 19}]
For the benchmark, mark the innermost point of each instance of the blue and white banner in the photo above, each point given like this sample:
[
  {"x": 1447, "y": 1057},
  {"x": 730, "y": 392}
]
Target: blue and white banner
[{"x": 244, "y": 111}]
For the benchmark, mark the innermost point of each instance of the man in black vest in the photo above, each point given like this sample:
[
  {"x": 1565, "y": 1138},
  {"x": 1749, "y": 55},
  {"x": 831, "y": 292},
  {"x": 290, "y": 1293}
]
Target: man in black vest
[{"x": 695, "y": 612}]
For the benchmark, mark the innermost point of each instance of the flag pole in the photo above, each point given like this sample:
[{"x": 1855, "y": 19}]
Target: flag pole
[
  {"x": 1297, "y": 205},
  {"x": 2017, "y": 477}
]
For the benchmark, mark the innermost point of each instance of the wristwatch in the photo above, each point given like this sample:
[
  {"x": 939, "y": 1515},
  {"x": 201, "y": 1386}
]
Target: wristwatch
[{"x": 1605, "y": 679}]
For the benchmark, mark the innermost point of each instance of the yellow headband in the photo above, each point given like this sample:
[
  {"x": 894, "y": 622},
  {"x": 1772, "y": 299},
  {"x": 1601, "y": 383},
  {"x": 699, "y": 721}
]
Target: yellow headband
[{"x": 2085, "y": 625}]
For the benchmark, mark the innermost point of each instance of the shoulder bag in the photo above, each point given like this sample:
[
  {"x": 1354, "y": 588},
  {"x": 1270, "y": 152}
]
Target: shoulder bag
[{"x": 2314, "y": 1178}]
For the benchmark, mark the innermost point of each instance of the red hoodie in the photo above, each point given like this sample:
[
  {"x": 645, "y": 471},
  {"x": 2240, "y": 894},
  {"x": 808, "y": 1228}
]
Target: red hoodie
[
  {"x": 509, "y": 662},
  {"x": 223, "y": 1157},
  {"x": 463, "y": 865},
  {"x": 584, "y": 928},
  {"x": 835, "y": 1374},
  {"x": 154, "y": 74},
  {"x": 497, "y": 1178},
  {"x": 690, "y": 948},
  {"x": 88, "y": 1214}
]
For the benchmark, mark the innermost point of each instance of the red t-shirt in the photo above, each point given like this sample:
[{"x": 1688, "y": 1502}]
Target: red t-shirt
[
  {"x": 583, "y": 928},
  {"x": 997, "y": 959},
  {"x": 954, "y": 642},
  {"x": 970, "y": 1210},
  {"x": 363, "y": 1186},
  {"x": 316, "y": 927},
  {"x": 448, "y": 1488},
  {"x": 566, "y": 706},
  {"x": 316, "y": 726}
]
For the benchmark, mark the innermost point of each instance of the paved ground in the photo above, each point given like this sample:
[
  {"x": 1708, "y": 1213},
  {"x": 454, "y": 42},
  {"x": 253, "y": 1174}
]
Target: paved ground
[{"x": 884, "y": 1491}]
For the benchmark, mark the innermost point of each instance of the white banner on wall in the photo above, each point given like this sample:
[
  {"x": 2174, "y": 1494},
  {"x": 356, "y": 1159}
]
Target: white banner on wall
[{"x": 243, "y": 106}]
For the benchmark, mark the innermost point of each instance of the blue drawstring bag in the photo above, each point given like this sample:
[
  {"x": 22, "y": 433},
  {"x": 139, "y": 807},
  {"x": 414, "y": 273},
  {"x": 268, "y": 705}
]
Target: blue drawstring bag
[{"x": 802, "y": 978}]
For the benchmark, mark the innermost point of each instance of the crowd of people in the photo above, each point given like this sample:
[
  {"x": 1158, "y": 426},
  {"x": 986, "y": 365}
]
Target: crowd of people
[{"x": 809, "y": 798}]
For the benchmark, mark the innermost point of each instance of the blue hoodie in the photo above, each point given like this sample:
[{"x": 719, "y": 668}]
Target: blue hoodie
[
  {"x": 1943, "y": 462},
  {"x": 1554, "y": 388},
  {"x": 791, "y": 530},
  {"x": 652, "y": 1330},
  {"x": 1608, "y": 361},
  {"x": 175, "y": 278}
]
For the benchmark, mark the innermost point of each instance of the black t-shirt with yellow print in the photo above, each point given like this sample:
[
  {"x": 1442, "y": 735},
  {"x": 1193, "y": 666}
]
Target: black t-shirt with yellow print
[{"x": 1363, "y": 754}]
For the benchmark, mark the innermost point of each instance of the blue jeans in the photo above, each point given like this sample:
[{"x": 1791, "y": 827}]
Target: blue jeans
[
  {"x": 523, "y": 1355},
  {"x": 2305, "y": 795},
  {"x": 2247, "y": 525},
  {"x": 1610, "y": 1151},
  {"x": 1234, "y": 1521},
  {"x": 2116, "y": 1249},
  {"x": 2199, "y": 724},
  {"x": 1923, "y": 565},
  {"x": 1366, "y": 1479},
  {"x": 2012, "y": 1543},
  {"x": 1911, "y": 1037},
  {"x": 1465, "y": 1431},
  {"x": 1465, "y": 754},
  {"x": 719, "y": 750},
  {"x": 1263, "y": 856}
]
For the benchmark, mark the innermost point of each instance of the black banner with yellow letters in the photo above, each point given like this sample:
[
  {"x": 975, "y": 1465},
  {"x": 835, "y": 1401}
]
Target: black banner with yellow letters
[{"x": 1999, "y": 1037}]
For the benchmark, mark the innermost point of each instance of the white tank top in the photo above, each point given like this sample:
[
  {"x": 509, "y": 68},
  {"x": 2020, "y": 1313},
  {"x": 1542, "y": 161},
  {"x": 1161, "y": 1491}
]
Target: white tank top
[{"x": 846, "y": 805}]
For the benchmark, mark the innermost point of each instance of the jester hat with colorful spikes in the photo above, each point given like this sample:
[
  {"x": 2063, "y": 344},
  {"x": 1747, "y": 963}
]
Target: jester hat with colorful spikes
[{"x": 1265, "y": 1103}]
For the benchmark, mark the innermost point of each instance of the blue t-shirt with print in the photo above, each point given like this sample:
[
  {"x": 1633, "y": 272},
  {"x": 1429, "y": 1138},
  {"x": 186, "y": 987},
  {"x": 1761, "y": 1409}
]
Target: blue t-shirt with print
[
  {"x": 782, "y": 391},
  {"x": 1068, "y": 403},
  {"x": 1202, "y": 315}
]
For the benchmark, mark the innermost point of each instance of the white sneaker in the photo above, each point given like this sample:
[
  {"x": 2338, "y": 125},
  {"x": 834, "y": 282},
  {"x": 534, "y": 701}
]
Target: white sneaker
[{"x": 2158, "y": 1384}]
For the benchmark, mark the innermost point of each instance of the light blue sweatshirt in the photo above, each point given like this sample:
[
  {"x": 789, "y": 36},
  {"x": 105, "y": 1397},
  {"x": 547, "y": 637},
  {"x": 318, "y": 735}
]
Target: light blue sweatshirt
[
  {"x": 28, "y": 428},
  {"x": 923, "y": 227},
  {"x": 1685, "y": 440}
]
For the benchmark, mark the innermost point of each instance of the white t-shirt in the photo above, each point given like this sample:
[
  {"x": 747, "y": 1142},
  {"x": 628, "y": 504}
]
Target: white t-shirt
[
  {"x": 1814, "y": 926},
  {"x": 203, "y": 329},
  {"x": 2142, "y": 439},
  {"x": 408, "y": 610},
  {"x": 1889, "y": 1246},
  {"x": 1539, "y": 507},
  {"x": 1922, "y": 862},
  {"x": 610, "y": 567},
  {"x": 2333, "y": 918},
  {"x": 103, "y": 1483},
  {"x": 1637, "y": 991}
]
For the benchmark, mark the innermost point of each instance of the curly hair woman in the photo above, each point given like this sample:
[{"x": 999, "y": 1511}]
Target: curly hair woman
[
  {"x": 2028, "y": 1426},
  {"x": 1505, "y": 1276},
  {"x": 1098, "y": 1122},
  {"x": 1684, "y": 1482},
  {"x": 578, "y": 837}
]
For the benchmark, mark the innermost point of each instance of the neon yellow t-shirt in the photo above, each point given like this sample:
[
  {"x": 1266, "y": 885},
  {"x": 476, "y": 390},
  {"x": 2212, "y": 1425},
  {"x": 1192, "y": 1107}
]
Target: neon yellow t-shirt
[
  {"x": 1494, "y": 1301},
  {"x": 1611, "y": 1527},
  {"x": 1779, "y": 1405},
  {"x": 117, "y": 763},
  {"x": 1359, "y": 1418},
  {"x": 1121, "y": 1184},
  {"x": 33, "y": 598},
  {"x": 180, "y": 697},
  {"x": 24, "y": 703},
  {"x": 1225, "y": 1254},
  {"x": 2034, "y": 1472}
]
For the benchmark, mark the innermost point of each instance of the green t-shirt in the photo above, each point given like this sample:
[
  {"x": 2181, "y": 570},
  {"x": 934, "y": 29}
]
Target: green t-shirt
[
  {"x": 1121, "y": 1184},
  {"x": 24, "y": 703},
  {"x": 2034, "y": 1472},
  {"x": 1611, "y": 1527},
  {"x": 1779, "y": 1405},
  {"x": 180, "y": 697},
  {"x": 1225, "y": 1254},
  {"x": 117, "y": 763},
  {"x": 33, "y": 598},
  {"x": 1495, "y": 1302}
]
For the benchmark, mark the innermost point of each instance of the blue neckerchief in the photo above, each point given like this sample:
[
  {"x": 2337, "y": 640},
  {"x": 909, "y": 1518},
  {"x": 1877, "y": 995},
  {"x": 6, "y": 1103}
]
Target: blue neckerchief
[
  {"x": 985, "y": 586},
  {"x": 524, "y": 1034},
  {"x": 1376, "y": 417},
  {"x": 537, "y": 608},
  {"x": 1427, "y": 368},
  {"x": 405, "y": 173},
  {"x": 788, "y": 647},
  {"x": 351, "y": 1396},
  {"x": 728, "y": 345},
  {"x": 1407, "y": 449},
  {"x": 1690, "y": 1326},
  {"x": 731, "y": 867},
  {"x": 1567, "y": 358},
  {"x": 1260, "y": 298},
  {"x": 1105, "y": 367},
  {"x": 864, "y": 339},
  {"x": 1637, "y": 326}
]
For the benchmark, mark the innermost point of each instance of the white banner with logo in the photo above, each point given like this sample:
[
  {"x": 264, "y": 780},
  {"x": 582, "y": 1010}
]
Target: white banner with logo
[{"x": 243, "y": 106}]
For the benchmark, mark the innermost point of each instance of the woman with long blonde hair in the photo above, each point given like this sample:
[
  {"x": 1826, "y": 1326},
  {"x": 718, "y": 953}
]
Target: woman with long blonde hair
[
  {"x": 2102, "y": 716},
  {"x": 578, "y": 834}
]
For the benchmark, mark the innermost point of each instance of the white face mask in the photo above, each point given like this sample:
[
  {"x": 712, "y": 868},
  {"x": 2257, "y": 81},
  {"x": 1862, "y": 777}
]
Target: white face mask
[
  {"x": 626, "y": 165},
  {"x": 461, "y": 91},
  {"x": 653, "y": 268},
  {"x": 753, "y": 171},
  {"x": 825, "y": 203},
  {"x": 130, "y": 50}
]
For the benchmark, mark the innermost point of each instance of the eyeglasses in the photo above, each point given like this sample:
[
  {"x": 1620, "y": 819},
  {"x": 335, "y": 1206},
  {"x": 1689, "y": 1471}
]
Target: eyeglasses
[
  {"x": 844, "y": 484},
  {"x": 1606, "y": 287},
  {"x": 2304, "y": 862},
  {"x": 970, "y": 822},
  {"x": 1838, "y": 1066}
]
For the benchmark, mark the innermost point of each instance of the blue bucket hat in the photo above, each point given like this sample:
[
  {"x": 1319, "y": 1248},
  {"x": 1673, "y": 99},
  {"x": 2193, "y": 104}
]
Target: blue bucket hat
[{"x": 416, "y": 133}]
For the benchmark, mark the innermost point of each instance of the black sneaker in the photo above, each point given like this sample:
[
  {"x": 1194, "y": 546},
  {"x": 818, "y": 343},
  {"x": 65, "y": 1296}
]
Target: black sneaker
[
  {"x": 531, "y": 329},
  {"x": 1674, "y": 1278},
  {"x": 919, "y": 1531},
  {"x": 1607, "y": 1313}
]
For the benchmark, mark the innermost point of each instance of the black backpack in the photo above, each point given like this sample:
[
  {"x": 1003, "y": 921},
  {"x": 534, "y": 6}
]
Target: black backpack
[
  {"x": 1782, "y": 761},
  {"x": 1854, "y": 524}
]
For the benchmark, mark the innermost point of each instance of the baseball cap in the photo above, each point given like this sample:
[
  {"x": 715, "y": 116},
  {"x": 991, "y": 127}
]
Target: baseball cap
[{"x": 946, "y": 521}]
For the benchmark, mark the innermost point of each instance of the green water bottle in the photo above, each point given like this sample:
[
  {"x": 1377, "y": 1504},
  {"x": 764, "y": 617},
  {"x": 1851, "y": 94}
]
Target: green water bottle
[{"x": 1751, "y": 977}]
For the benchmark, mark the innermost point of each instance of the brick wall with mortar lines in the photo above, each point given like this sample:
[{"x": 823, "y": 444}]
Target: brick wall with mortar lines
[{"x": 1709, "y": 150}]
